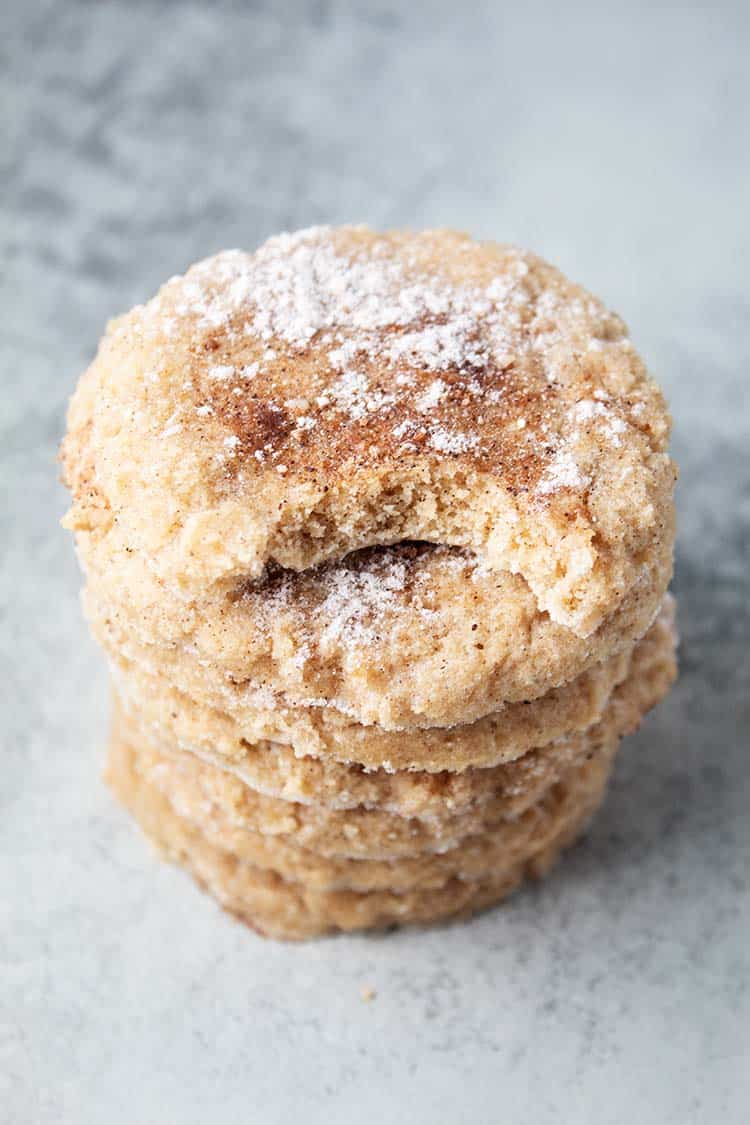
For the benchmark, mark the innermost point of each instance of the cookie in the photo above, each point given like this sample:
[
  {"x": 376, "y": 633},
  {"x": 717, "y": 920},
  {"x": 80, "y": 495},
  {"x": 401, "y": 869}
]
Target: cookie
[
  {"x": 170, "y": 718},
  {"x": 404, "y": 637},
  {"x": 475, "y": 856},
  {"x": 339, "y": 390},
  {"x": 376, "y": 530},
  {"x": 289, "y": 909},
  {"x": 201, "y": 791}
]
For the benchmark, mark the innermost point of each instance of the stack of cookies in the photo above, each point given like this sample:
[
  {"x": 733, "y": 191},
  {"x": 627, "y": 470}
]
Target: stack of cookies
[{"x": 377, "y": 532}]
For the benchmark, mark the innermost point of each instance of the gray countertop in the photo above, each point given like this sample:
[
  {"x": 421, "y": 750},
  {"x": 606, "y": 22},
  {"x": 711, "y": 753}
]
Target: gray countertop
[{"x": 613, "y": 139}]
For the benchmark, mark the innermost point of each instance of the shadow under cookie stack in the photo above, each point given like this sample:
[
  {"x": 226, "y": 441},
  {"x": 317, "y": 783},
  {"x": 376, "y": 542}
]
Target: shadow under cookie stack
[{"x": 377, "y": 532}]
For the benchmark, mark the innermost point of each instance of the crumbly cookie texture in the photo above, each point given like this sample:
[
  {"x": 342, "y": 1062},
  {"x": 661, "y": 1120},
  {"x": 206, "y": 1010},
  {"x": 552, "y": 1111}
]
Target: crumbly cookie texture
[
  {"x": 315, "y": 756},
  {"x": 289, "y": 909},
  {"x": 401, "y": 637},
  {"x": 271, "y": 831},
  {"x": 341, "y": 389}
]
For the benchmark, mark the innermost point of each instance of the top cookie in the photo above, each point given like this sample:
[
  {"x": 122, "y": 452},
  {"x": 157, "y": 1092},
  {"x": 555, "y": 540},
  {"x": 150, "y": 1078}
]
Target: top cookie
[{"x": 340, "y": 389}]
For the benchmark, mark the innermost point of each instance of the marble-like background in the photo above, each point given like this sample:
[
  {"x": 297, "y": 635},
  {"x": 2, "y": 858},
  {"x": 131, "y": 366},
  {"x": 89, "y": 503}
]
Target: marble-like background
[{"x": 614, "y": 138}]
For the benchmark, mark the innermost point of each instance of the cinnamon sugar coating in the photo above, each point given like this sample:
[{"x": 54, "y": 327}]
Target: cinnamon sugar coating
[
  {"x": 341, "y": 389},
  {"x": 377, "y": 530},
  {"x": 397, "y": 637}
]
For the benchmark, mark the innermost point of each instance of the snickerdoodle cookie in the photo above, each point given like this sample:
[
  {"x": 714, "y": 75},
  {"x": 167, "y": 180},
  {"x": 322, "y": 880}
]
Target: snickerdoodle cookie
[
  {"x": 371, "y": 832},
  {"x": 315, "y": 756},
  {"x": 340, "y": 389},
  {"x": 403, "y": 637},
  {"x": 377, "y": 531},
  {"x": 294, "y": 909}
]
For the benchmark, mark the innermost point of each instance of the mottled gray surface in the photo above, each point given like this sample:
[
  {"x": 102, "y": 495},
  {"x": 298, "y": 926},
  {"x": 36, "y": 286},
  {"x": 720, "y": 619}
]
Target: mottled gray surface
[{"x": 138, "y": 136}]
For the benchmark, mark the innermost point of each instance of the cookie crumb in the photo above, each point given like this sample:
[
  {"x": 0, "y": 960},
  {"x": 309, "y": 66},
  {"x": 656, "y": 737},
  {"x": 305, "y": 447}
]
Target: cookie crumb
[{"x": 368, "y": 993}]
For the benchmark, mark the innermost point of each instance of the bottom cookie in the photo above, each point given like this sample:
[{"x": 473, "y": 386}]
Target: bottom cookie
[{"x": 281, "y": 908}]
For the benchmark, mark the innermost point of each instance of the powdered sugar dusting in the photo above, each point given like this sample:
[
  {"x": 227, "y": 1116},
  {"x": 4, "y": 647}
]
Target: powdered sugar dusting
[
  {"x": 445, "y": 442},
  {"x": 221, "y": 371},
  {"x": 357, "y": 602},
  {"x": 611, "y": 425},
  {"x": 353, "y": 394},
  {"x": 562, "y": 472},
  {"x": 394, "y": 331},
  {"x": 358, "y": 599},
  {"x": 429, "y": 399},
  {"x": 298, "y": 289}
]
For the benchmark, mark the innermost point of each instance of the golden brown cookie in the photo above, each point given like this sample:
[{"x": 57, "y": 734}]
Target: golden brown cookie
[
  {"x": 202, "y": 792},
  {"x": 170, "y": 718},
  {"x": 401, "y": 637},
  {"x": 340, "y": 389},
  {"x": 282, "y": 908},
  {"x": 182, "y": 782}
]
